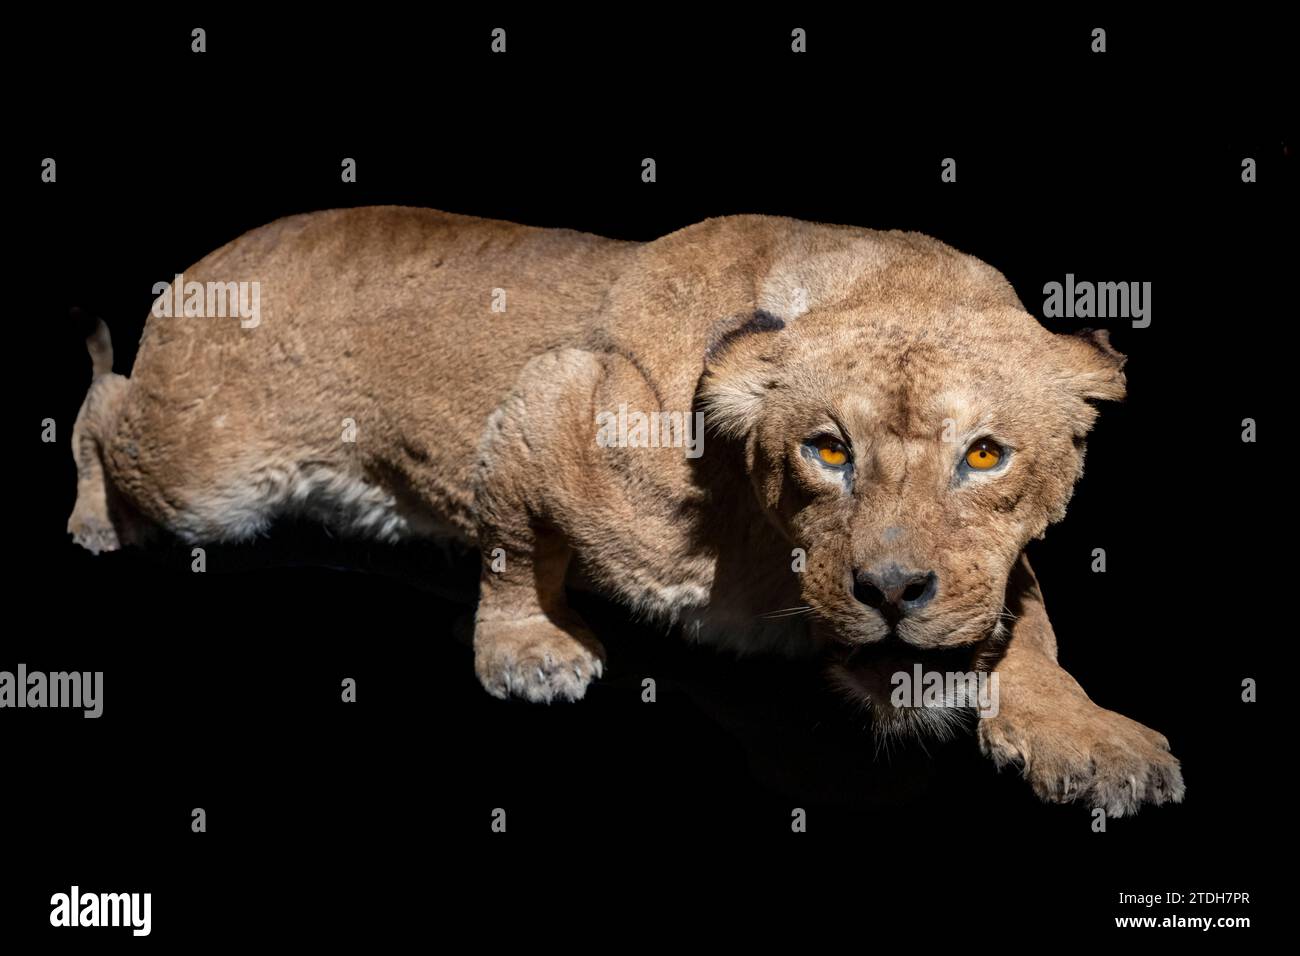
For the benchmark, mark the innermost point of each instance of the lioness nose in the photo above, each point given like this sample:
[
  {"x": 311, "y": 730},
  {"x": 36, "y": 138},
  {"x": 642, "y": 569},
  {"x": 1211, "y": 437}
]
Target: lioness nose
[{"x": 894, "y": 592}]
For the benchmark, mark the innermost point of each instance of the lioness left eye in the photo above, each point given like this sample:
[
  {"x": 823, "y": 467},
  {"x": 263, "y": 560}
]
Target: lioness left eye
[{"x": 984, "y": 454}]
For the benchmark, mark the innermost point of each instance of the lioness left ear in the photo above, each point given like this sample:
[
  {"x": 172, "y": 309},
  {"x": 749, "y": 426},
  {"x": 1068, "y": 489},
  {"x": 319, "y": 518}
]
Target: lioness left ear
[{"x": 1094, "y": 370}]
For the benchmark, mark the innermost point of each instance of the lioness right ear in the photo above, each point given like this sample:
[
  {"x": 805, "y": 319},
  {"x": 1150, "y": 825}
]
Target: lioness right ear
[{"x": 738, "y": 374}]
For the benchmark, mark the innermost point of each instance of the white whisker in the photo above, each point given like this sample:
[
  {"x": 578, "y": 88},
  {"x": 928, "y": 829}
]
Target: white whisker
[{"x": 787, "y": 612}]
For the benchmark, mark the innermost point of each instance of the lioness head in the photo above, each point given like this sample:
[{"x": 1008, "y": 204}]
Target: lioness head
[{"x": 910, "y": 426}]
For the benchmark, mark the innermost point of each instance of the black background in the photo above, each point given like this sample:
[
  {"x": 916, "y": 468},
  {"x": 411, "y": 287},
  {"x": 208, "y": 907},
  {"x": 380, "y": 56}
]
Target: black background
[{"x": 627, "y": 820}]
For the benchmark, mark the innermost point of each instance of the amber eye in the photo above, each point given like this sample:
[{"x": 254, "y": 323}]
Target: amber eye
[
  {"x": 984, "y": 454},
  {"x": 831, "y": 451}
]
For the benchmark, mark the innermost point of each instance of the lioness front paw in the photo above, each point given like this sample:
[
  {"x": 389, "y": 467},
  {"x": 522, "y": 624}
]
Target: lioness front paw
[
  {"x": 1085, "y": 754},
  {"x": 535, "y": 658}
]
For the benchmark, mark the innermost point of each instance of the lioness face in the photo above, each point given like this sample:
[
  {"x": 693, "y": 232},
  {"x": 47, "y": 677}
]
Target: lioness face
[{"x": 913, "y": 458}]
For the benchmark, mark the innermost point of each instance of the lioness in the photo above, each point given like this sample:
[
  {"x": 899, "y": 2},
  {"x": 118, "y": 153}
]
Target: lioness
[{"x": 885, "y": 428}]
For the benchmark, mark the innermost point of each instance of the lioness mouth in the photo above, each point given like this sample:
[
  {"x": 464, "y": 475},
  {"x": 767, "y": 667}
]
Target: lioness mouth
[{"x": 869, "y": 669}]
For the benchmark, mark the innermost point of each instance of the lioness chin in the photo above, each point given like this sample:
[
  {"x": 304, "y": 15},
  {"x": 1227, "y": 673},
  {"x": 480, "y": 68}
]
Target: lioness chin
[{"x": 882, "y": 428}]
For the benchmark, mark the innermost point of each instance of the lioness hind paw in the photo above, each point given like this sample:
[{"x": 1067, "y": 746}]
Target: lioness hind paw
[{"x": 94, "y": 533}]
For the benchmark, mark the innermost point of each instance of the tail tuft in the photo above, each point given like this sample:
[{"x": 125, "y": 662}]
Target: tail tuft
[{"x": 98, "y": 343}]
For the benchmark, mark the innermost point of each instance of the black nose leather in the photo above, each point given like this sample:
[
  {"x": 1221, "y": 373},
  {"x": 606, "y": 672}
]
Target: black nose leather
[{"x": 895, "y": 592}]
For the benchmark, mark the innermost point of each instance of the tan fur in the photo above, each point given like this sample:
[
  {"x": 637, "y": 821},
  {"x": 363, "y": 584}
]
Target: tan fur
[{"x": 482, "y": 425}]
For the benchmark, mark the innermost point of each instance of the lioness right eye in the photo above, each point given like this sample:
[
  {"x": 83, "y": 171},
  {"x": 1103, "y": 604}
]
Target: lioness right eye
[
  {"x": 984, "y": 454},
  {"x": 831, "y": 451}
]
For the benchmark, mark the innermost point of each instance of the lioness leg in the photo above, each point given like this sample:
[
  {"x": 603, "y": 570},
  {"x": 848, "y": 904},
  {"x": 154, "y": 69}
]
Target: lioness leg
[
  {"x": 1065, "y": 745},
  {"x": 544, "y": 487},
  {"x": 527, "y": 642}
]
